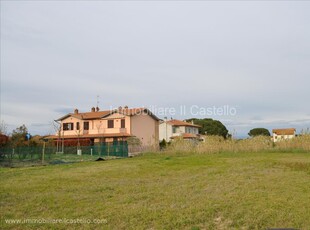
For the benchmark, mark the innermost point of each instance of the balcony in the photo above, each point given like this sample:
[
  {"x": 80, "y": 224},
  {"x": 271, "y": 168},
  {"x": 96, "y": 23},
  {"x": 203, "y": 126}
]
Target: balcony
[{"x": 111, "y": 130}]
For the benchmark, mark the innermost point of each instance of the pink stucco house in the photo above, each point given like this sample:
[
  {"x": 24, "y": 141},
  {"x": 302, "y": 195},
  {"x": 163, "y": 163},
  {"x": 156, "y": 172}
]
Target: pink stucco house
[{"x": 110, "y": 125}]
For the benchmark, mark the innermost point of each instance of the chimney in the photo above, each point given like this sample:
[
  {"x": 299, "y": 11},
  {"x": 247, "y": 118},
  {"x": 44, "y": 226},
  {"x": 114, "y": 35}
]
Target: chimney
[
  {"x": 97, "y": 109},
  {"x": 76, "y": 111},
  {"x": 93, "y": 109},
  {"x": 119, "y": 108}
]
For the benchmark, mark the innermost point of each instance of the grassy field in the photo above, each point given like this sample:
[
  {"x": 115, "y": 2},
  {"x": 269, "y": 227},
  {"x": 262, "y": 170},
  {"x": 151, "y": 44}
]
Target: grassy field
[{"x": 157, "y": 191}]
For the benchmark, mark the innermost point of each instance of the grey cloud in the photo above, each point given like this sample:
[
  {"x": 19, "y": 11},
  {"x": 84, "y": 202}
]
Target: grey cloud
[{"x": 57, "y": 56}]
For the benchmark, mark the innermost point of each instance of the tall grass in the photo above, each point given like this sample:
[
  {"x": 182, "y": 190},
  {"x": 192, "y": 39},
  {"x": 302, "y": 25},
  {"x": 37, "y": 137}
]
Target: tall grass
[{"x": 216, "y": 144}]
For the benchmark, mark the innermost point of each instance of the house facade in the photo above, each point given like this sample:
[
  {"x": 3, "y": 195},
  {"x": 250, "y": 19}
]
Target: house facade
[
  {"x": 109, "y": 126},
  {"x": 172, "y": 129},
  {"x": 283, "y": 134}
]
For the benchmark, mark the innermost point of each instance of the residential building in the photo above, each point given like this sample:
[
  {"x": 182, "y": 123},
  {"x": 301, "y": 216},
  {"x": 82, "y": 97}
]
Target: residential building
[
  {"x": 110, "y": 126},
  {"x": 282, "y": 134},
  {"x": 171, "y": 129}
]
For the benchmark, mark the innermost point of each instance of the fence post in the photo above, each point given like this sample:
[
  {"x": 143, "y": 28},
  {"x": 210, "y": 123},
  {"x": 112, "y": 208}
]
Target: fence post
[
  {"x": 43, "y": 152},
  {"x": 91, "y": 151},
  {"x": 11, "y": 158}
]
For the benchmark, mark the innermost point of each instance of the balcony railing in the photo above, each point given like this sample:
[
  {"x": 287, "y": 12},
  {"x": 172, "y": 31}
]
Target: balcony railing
[
  {"x": 110, "y": 130},
  {"x": 96, "y": 131},
  {"x": 123, "y": 130}
]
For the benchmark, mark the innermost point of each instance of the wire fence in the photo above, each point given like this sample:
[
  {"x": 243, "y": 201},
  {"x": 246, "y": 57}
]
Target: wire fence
[{"x": 42, "y": 155}]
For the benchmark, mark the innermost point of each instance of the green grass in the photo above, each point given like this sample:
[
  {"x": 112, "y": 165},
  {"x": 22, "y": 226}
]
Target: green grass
[{"x": 156, "y": 191}]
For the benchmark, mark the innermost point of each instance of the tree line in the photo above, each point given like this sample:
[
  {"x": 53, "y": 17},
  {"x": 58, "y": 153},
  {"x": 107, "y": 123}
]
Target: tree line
[
  {"x": 19, "y": 137},
  {"x": 217, "y": 128}
]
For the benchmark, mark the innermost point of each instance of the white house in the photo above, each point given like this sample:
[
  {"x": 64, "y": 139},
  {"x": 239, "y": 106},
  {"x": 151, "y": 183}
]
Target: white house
[
  {"x": 282, "y": 134},
  {"x": 171, "y": 129}
]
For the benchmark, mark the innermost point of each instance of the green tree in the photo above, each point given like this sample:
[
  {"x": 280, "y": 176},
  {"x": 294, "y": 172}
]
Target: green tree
[
  {"x": 18, "y": 137},
  {"x": 259, "y": 132},
  {"x": 210, "y": 127}
]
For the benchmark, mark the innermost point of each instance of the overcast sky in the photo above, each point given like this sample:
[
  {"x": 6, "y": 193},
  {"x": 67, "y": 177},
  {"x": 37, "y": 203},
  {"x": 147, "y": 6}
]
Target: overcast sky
[{"x": 252, "y": 57}]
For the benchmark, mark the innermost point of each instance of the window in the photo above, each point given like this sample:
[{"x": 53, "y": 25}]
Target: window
[
  {"x": 110, "y": 124},
  {"x": 86, "y": 125},
  {"x": 174, "y": 129},
  {"x": 77, "y": 125},
  {"x": 188, "y": 130},
  {"x": 68, "y": 126},
  {"x": 123, "y": 123},
  {"x": 196, "y": 131}
]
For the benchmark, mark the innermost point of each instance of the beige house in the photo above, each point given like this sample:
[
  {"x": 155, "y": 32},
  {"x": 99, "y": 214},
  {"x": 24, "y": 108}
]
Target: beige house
[
  {"x": 171, "y": 129},
  {"x": 282, "y": 134},
  {"x": 110, "y": 125}
]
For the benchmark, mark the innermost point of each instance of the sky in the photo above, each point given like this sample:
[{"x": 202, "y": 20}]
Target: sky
[{"x": 245, "y": 63}]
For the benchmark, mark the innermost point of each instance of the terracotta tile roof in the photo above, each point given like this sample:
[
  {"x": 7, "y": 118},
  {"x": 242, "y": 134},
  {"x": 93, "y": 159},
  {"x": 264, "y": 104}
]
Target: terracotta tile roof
[
  {"x": 290, "y": 131},
  {"x": 93, "y": 115},
  {"x": 87, "y": 115},
  {"x": 101, "y": 114},
  {"x": 187, "y": 136},
  {"x": 181, "y": 123}
]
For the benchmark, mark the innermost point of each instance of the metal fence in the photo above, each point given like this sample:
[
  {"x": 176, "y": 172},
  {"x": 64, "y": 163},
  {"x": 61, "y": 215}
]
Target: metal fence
[{"x": 28, "y": 156}]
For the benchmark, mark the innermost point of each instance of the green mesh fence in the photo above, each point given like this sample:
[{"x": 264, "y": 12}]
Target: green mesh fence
[
  {"x": 40, "y": 155},
  {"x": 117, "y": 149}
]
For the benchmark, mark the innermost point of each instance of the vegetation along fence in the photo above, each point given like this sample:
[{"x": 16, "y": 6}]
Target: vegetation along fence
[{"x": 27, "y": 156}]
